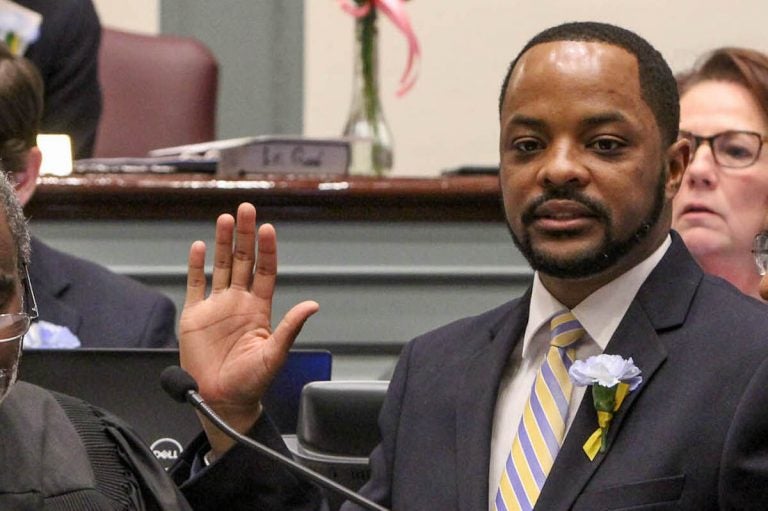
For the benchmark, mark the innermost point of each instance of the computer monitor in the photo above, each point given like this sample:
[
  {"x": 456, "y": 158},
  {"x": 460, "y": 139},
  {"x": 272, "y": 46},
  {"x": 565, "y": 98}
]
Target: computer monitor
[{"x": 126, "y": 382}]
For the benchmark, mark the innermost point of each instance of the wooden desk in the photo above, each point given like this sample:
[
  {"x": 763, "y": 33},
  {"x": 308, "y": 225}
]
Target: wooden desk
[{"x": 187, "y": 197}]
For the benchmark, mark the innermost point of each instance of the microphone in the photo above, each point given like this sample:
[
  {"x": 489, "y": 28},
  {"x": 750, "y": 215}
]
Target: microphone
[
  {"x": 177, "y": 383},
  {"x": 180, "y": 385}
]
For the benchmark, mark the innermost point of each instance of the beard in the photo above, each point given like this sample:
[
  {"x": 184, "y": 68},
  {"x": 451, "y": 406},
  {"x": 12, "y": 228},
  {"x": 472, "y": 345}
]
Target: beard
[{"x": 592, "y": 262}]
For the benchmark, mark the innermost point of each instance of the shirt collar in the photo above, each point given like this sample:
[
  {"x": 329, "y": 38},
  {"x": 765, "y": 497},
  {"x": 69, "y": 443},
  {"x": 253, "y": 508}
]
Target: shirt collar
[{"x": 601, "y": 312}]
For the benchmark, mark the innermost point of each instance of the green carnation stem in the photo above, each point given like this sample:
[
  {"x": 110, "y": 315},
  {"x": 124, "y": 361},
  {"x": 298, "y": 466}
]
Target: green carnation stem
[
  {"x": 604, "y": 439},
  {"x": 604, "y": 399}
]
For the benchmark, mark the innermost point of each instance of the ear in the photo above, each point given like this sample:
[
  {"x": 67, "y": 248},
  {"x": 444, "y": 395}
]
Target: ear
[
  {"x": 26, "y": 180},
  {"x": 678, "y": 157}
]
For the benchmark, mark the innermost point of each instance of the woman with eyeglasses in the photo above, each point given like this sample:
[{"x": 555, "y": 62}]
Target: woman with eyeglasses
[{"x": 723, "y": 197}]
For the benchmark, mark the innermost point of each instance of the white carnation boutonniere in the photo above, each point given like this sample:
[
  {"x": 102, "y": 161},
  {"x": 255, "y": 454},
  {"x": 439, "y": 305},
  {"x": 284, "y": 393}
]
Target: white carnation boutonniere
[{"x": 612, "y": 378}]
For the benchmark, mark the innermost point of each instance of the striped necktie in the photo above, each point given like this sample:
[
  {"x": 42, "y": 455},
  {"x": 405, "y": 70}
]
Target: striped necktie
[{"x": 542, "y": 426}]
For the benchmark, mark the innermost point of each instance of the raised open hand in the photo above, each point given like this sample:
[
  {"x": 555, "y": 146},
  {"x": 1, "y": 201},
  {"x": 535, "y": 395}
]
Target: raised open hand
[{"x": 226, "y": 339}]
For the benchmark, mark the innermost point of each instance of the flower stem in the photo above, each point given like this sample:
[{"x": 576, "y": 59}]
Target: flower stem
[
  {"x": 367, "y": 55},
  {"x": 604, "y": 440}
]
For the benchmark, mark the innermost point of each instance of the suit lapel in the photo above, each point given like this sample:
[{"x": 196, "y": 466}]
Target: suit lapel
[
  {"x": 636, "y": 337},
  {"x": 656, "y": 306},
  {"x": 476, "y": 406},
  {"x": 50, "y": 283}
]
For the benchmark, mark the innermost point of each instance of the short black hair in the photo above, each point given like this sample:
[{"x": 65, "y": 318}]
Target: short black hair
[{"x": 657, "y": 82}]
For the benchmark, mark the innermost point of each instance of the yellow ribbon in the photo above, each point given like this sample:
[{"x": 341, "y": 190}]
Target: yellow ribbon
[
  {"x": 592, "y": 445},
  {"x": 13, "y": 42}
]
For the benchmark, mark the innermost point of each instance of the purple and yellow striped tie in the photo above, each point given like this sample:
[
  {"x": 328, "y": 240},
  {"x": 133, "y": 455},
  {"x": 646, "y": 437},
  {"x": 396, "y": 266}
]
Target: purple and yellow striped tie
[{"x": 542, "y": 427}]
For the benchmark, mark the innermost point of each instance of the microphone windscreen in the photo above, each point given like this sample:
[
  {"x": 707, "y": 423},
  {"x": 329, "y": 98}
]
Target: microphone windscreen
[{"x": 177, "y": 382}]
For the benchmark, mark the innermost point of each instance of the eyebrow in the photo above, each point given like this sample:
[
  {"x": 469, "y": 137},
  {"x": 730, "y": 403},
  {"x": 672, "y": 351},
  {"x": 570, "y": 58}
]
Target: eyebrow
[
  {"x": 606, "y": 118},
  {"x": 524, "y": 120},
  {"x": 589, "y": 122}
]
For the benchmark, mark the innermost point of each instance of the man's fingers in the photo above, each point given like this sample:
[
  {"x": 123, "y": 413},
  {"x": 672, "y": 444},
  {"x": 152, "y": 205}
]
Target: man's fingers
[
  {"x": 292, "y": 323},
  {"x": 222, "y": 257},
  {"x": 266, "y": 264},
  {"x": 245, "y": 243},
  {"x": 196, "y": 273}
]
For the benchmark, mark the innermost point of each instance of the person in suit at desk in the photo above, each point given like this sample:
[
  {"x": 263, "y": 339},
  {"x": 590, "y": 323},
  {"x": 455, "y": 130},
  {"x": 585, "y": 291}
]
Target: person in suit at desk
[
  {"x": 66, "y": 54},
  {"x": 81, "y": 303},
  {"x": 590, "y": 162}
]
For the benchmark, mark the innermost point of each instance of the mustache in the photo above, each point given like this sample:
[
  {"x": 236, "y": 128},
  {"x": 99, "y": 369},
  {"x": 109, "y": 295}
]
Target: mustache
[{"x": 597, "y": 209}]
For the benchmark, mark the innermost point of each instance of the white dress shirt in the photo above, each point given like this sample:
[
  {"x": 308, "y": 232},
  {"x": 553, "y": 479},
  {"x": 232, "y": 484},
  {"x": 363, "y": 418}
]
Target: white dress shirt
[{"x": 600, "y": 314}]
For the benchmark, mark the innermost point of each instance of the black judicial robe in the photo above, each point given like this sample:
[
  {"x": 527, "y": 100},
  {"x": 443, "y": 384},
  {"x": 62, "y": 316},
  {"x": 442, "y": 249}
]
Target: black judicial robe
[
  {"x": 59, "y": 453},
  {"x": 48, "y": 465}
]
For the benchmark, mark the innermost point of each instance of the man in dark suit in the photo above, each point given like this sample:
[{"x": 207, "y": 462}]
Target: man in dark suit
[
  {"x": 590, "y": 162},
  {"x": 97, "y": 307},
  {"x": 101, "y": 308},
  {"x": 66, "y": 53}
]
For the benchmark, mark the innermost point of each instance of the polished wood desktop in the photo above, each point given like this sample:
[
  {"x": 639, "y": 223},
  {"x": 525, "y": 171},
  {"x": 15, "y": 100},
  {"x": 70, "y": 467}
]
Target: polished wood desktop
[{"x": 182, "y": 197}]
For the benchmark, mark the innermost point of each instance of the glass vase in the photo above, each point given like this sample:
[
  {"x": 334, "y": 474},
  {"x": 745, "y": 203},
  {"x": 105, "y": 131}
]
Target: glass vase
[{"x": 372, "y": 140}]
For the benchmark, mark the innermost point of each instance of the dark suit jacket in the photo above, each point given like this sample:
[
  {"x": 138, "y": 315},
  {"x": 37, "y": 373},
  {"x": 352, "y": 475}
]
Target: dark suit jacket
[
  {"x": 67, "y": 56},
  {"x": 693, "y": 436},
  {"x": 102, "y": 308}
]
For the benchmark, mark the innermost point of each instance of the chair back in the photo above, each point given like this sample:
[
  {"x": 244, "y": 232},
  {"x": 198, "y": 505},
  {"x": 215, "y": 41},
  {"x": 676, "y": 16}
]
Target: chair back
[
  {"x": 158, "y": 91},
  {"x": 337, "y": 429}
]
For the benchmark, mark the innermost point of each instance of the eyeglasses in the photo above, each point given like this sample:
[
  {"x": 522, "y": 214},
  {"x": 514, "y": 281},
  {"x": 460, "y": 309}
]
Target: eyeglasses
[
  {"x": 760, "y": 250},
  {"x": 15, "y": 325},
  {"x": 731, "y": 149},
  {"x": 30, "y": 304}
]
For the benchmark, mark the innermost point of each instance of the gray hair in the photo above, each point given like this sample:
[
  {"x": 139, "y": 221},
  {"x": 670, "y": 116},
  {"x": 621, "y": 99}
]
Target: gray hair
[{"x": 16, "y": 221}]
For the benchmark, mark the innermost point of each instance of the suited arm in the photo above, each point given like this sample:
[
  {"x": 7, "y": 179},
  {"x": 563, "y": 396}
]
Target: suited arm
[
  {"x": 244, "y": 479},
  {"x": 744, "y": 470},
  {"x": 160, "y": 331}
]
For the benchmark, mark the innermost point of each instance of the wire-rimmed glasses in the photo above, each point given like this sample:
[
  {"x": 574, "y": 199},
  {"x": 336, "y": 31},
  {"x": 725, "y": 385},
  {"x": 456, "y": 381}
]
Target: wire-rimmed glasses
[
  {"x": 760, "y": 251},
  {"x": 14, "y": 325},
  {"x": 731, "y": 149}
]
